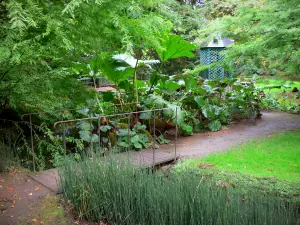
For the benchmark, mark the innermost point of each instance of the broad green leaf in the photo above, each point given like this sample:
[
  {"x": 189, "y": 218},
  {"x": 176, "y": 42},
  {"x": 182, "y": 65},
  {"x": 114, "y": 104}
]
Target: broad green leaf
[
  {"x": 168, "y": 114},
  {"x": 162, "y": 140},
  {"x": 80, "y": 68},
  {"x": 85, "y": 125},
  {"x": 108, "y": 96},
  {"x": 171, "y": 85},
  {"x": 199, "y": 91},
  {"x": 145, "y": 115},
  {"x": 208, "y": 111},
  {"x": 144, "y": 140},
  {"x": 105, "y": 128},
  {"x": 214, "y": 125},
  {"x": 125, "y": 85},
  {"x": 190, "y": 83},
  {"x": 140, "y": 83},
  {"x": 179, "y": 118},
  {"x": 123, "y": 144},
  {"x": 122, "y": 132},
  {"x": 155, "y": 100},
  {"x": 85, "y": 135},
  {"x": 139, "y": 126},
  {"x": 109, "y": 68},
  {"x": 186, "y": 129},
  {"x": 137, "y": 145},
  {"x": 200, "y": 101},
  {"x": 134, "y": 139},
  {"x": 155, "y": 77},
  {"x": 174, "y": 47},
  {"x": 94, "y": 138}
]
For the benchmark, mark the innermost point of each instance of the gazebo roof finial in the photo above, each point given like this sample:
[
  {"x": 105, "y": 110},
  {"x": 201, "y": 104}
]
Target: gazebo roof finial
[{"x": 217, "y": 42}]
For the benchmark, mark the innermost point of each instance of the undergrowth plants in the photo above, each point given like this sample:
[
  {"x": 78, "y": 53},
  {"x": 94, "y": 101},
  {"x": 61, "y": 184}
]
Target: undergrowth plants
[
  {"x": 116, "y": 192},
  {"x": 281, "y": 93},
  {"x": 195, "y": 105},
  {"x": 191, "y": 103}
]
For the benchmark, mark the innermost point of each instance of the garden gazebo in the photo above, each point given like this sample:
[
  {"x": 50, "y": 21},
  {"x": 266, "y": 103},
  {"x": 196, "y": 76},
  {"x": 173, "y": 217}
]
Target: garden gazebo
[{"x": 210, "y": 53}]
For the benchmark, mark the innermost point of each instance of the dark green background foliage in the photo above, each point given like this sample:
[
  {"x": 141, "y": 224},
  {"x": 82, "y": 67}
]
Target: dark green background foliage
[
  {"x": 267, "y": 37},
  {"x": 47, "y": 46},
  {"x": 148, "y": 50}
]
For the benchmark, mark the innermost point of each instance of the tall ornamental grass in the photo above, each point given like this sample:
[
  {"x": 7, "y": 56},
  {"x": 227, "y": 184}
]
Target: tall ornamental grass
[{"x": 119, "y": 193}]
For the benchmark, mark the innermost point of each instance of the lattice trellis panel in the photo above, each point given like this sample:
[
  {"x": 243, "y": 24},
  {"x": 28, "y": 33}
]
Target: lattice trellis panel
[{"x": 209, "y": 56}]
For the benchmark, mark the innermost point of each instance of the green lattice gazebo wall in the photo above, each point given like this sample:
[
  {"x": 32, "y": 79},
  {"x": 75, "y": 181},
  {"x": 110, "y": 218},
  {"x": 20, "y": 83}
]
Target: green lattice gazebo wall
[{"x": 211, "y": 53}]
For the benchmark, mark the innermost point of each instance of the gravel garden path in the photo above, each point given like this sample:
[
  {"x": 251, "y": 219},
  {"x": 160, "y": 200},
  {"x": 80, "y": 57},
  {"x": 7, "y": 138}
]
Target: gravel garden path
[{"x": 272, "y": 122}]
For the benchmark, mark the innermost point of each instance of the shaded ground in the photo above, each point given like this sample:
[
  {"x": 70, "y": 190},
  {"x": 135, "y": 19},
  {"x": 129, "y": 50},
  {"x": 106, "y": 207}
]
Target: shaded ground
[{"x": 25, "y": 201}]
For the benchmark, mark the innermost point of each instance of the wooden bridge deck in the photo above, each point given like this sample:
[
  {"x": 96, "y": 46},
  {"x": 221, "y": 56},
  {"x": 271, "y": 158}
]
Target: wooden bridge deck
[
  {"x": 144, "y": 158},
  {"x": 147, "y": 157}
]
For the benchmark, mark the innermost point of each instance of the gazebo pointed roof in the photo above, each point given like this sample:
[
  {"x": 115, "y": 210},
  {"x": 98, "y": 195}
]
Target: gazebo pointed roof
[{"x": 218, "y": 42}]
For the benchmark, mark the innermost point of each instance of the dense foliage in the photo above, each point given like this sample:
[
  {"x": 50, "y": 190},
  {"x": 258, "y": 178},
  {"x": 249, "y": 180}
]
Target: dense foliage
[
  {"x": 148, "y": 50},
  {"x": 40, "y": 42},
  {"x": 55, "y": 54},
  {"x": 266, "y": 38},
  {"x": 46, "y": 47}
]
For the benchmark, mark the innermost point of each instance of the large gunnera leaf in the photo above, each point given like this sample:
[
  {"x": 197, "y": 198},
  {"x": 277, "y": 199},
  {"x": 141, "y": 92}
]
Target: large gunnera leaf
[{"x": 175, "y": 47}]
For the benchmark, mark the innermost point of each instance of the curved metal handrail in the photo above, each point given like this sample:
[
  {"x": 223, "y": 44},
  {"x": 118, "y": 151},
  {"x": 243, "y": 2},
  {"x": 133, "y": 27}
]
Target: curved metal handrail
[{"x": 106, "y": 116}]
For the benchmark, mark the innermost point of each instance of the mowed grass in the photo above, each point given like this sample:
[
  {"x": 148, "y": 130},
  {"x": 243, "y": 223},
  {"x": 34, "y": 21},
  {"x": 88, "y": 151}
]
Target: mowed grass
[
  {"x": 286, "y": 85},
  {"x": 277, "y": 156},
  {"x": 278, "y": 92}
]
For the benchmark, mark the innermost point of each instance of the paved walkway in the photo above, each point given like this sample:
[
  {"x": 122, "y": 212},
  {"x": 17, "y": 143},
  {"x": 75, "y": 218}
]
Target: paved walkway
[
  {"x": 202, "y": 144},
  {"x": 145, "y": 158},
  {"x": 272, "y": 122},
  {"x": 48, "y": 178}
]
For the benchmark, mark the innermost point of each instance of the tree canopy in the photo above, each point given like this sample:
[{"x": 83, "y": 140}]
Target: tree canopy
[
  {"x": 41, "y": 41},
  {"x": 267, "y": 38}
]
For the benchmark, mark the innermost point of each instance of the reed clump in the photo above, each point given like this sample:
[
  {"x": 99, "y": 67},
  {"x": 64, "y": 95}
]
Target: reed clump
[{"x": 118, "y": 193}]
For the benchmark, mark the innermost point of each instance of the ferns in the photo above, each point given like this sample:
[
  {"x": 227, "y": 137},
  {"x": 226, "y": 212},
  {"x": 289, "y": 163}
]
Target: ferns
[
  {"x": 267, "y": 37},
  {"x": 21, "y": 18}
]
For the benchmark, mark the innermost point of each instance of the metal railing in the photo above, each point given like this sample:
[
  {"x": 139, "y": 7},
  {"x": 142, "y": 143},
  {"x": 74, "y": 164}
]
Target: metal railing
[
  {"x": 11, "y": 138},
  {"x": 30, "y": 115},
  {"x": 129, "y": 117}
]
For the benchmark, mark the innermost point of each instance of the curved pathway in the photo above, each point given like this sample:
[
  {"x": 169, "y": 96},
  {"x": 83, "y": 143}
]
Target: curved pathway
[
  {"x": 30, "y": 191},
  {"x": 202, "y": 144}
]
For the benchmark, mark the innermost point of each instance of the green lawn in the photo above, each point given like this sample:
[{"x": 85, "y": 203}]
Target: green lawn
[
  {"x": 277, "y": 157},
  {"x": 279, "y": 93},
  {"x": 286, "y": 85},
  {"x": 286, "y": 99}
]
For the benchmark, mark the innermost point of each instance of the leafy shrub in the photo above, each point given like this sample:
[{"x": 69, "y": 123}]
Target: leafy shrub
[{"x": 204, "y": 103}]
